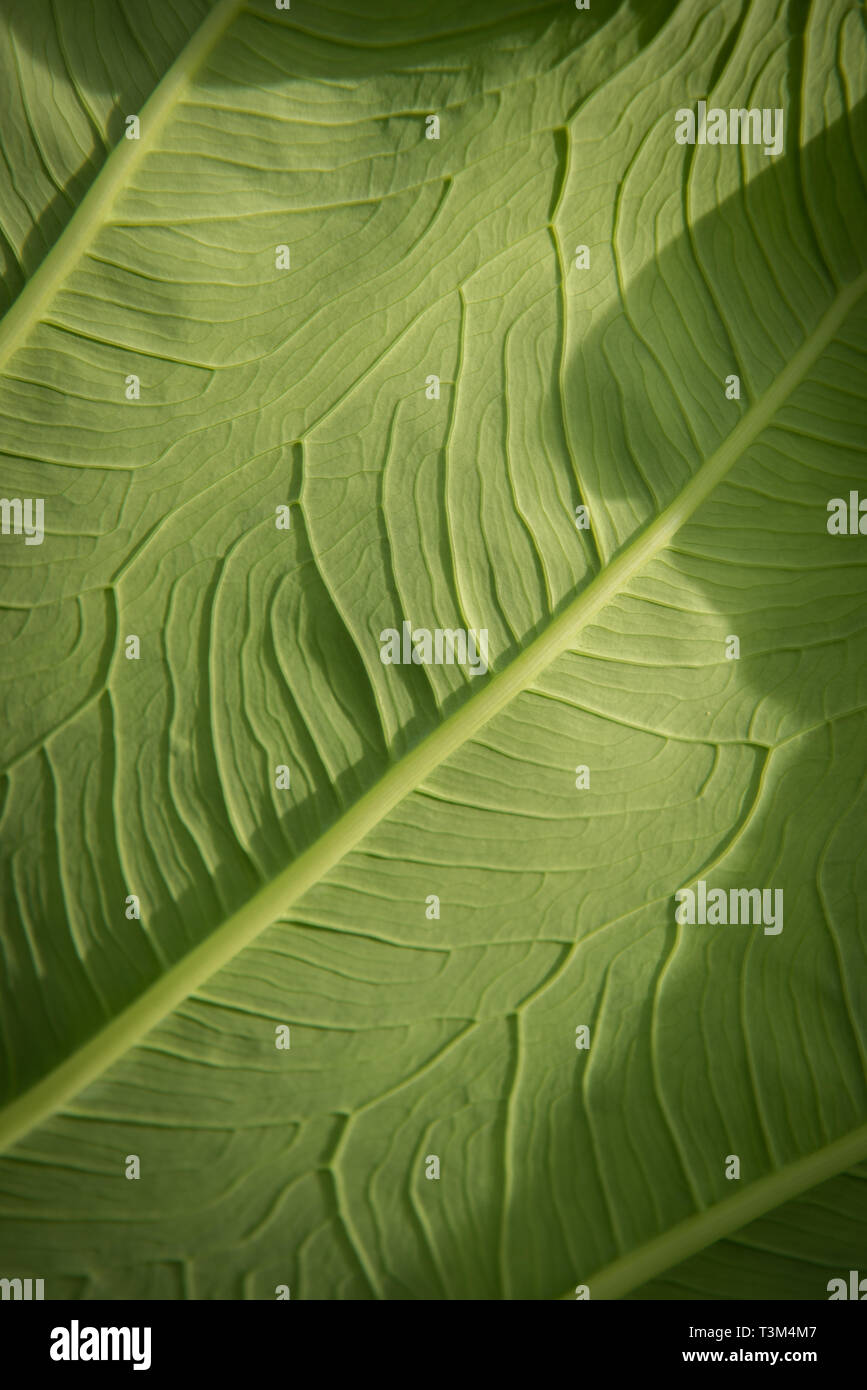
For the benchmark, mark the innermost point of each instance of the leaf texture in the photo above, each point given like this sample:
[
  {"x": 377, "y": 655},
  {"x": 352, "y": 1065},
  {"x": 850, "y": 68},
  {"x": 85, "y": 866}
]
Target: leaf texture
[{"x": 263, "y": 387}]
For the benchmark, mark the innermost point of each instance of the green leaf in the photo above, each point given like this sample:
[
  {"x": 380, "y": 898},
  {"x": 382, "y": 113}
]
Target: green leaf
[
  {"x": 798, "y": 1248},
  {"x": 265, "y": 386}
]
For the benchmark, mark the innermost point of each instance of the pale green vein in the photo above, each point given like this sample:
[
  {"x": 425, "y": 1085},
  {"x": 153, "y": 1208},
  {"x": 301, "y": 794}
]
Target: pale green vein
[
  {"x": 276, "y": 897},
  {"x": 705, "y": 1227},
  {"x": 95, "y": 208}
]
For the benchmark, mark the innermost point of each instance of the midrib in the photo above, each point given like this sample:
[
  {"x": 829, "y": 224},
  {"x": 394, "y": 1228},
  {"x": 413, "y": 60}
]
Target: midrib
[
  {"x": 94, "y": 209},
  {"x": 701, "y": 1230},
  {"x": 276, "y": 897}
]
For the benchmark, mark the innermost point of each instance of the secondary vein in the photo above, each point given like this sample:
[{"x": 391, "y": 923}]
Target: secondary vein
[
  {"x": 715, "y": 1223},
  {"x": 94, "y": 210},
  {"x": 275, "y": 898}
]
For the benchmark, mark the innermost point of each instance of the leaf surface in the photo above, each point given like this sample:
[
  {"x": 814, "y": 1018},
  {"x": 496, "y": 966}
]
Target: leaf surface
[{"x": 265, "y": 387}]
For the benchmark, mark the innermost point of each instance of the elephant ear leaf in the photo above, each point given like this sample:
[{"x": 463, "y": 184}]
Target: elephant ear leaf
[{"x": 433, "y": 591}]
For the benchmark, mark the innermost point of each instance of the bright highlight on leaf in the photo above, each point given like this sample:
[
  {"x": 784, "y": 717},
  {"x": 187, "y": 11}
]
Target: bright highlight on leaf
[{"x": 434, "y": 609}]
